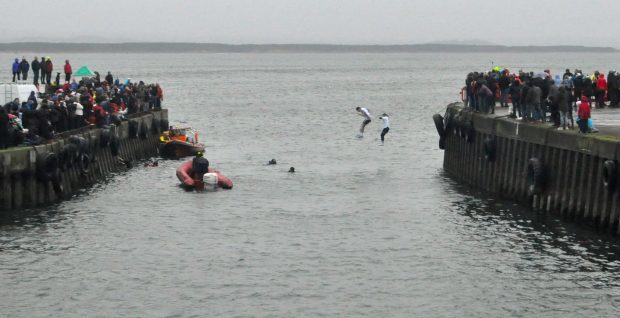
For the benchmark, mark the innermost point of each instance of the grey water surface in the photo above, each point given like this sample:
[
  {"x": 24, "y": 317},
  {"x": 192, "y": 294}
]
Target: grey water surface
[{"x": 360, "y": 230}]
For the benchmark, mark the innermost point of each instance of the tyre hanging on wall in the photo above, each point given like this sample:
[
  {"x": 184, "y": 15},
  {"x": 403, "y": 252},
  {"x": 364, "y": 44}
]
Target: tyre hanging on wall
[
  {"x": 155, "y": 126},
  {"x": 47, "y": 166},
  {"x": 133, "y": 129},
  {"x": 610, "y": 175},
  {"x": 114, "y": 146},
  {"x": 470, "y": 132},
  {"x": 84, "y": 163},
  {"x": 535, "y": 176},
  {"x": 164, "y": 125},
  {"x": 104, "y": 139},
  {"x": 438, "y": 120},
  {"x": 488, "y": 147},
  {"x": 143, "y": 132}
]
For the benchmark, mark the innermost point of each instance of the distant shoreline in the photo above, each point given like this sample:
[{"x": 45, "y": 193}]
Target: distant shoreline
[{"x": 185, "y": 47}]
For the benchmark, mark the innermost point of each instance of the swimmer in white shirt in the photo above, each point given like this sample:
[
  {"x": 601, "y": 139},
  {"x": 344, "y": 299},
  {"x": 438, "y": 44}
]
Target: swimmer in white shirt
[
  {"x": 364, "y": 113},
  {"x": 386, "y": 126}
]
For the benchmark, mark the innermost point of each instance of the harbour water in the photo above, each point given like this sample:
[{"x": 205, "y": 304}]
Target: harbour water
[{"x": 360, "y": 230}]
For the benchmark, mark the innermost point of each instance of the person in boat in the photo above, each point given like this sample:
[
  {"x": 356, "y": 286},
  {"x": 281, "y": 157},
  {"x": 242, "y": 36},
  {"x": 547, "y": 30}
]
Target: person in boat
[
  {"x": 366, "y": 114},
  {"x": 200, "y": 165},
  {"x": 165, "y": 137}
]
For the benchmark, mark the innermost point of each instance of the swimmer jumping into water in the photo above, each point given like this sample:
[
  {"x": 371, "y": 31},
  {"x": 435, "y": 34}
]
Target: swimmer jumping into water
[
  {"x": 364, "y": 113},
  {"x": 386, "y": 126}
]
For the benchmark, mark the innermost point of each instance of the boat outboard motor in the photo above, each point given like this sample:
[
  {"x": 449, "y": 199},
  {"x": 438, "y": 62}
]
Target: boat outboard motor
[{"x": 209, "y": 181}]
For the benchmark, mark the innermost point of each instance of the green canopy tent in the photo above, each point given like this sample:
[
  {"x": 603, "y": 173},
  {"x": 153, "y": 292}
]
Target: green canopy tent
[{"x": 84, "y": 71}]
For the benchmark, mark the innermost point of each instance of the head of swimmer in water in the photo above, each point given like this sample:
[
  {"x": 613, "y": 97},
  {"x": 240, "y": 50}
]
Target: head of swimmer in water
[
  {"x": 358, "y": 108},
  {"x": 292, "y": 169},
  {"x": 272, "y": 162},
  {"x": 199, "y": 154}
]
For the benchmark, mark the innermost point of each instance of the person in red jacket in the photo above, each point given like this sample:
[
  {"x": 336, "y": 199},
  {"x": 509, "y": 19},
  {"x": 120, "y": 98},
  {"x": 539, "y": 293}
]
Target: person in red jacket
[
  {"x": 583, "y": 114},
  {"x": 49, "y": 67},
  {"x": 601, "y": 87},
  {"x": 68, "y": 71}
]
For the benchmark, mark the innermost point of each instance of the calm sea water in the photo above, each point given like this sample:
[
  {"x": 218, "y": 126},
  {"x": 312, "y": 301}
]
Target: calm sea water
[{"x": 360, "y": 230}]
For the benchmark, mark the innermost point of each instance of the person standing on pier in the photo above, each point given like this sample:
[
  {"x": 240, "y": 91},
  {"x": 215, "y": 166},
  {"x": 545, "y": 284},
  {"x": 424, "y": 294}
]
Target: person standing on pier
[
  {"x": 49, "y": 67},
  {"x": 35, "y": 70},
  {"x": 24, "y": 67},
  {"x": 68, "y": 71},
  {"x": 16, "y": 71},
  {"x": 583, "y": 115},
  {"x": 366, "y": 114}
]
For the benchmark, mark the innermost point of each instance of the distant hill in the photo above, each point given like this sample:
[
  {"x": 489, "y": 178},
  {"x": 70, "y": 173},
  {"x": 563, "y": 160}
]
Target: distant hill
[{"x": 153, "y": 47}]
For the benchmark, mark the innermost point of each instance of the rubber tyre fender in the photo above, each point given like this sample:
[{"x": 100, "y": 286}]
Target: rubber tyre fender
[
  {"x": 133, "y": 129},
  {"x": 438, "y": 119},
  {"x": 155, "y": 127},
  {"x": 143, "y": 131},
  {"x": 470, "y": 132},
  {"x": 47, "y": 166},
  {"x": 610, "y": 174},
  {"x": 57, "y": 185},
  {"x": 535, "y": 176},
  {"x": 489, "y": 149},
  {"x": 164, "y": 125},
  {"x": 84, "y": 163},
  {"x": 104, "y": 139},
  {"x": 68, "y": 155},
  {"x": 448, "y": 124},
  {"x": 80, "y": 142},
  {"x": 114, "y": 146}
]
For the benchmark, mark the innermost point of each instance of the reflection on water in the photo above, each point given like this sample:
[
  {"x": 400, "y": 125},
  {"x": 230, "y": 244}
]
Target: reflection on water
[{"x": 358, "y": 230}]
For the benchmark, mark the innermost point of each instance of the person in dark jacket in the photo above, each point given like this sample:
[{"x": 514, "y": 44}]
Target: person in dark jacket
[
  {"x": 515, "y": 95},
  {"x": 16, "y": 71},
  {"x": 35, "y": 70},
  {"x": 504, "y": 83},
  {"x": 33, "y": 98},
  {"x": 24, "y": 67},
  {"x": 4, "y": 129},
  {"x": 109, "y": 78},
  {"x": 43, "y": 69}
]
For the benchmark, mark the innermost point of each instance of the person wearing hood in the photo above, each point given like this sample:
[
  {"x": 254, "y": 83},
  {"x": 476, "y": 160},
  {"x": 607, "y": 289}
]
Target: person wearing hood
[
  {"x": 583, "y": 114},
  {"x": 24, "y": 67},
  {"x": 33, "y": 98},
  {"x": 16, "y": 71},
  {"x": 601, "y": 88},
  {"x": 35, "y": 70}
]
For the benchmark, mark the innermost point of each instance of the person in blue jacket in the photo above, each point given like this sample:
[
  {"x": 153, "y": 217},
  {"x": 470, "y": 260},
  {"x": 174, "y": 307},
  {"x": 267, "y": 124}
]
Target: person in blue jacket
[{"x": 16, "y": 70}]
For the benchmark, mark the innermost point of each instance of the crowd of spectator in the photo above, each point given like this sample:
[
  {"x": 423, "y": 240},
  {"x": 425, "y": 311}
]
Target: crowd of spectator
[
  {"x": 542, "y": 97},
  {"x": 61, "y": 107}
]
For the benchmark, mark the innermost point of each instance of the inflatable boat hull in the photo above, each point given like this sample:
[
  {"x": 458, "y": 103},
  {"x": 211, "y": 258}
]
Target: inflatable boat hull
[
  {"x": 185, "y": 175},
  {"x": 178, "y": 149}
]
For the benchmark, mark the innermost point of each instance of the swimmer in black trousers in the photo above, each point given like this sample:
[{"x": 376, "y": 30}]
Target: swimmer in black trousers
[
  {"x": 364, "y": 113},
  {"x": 386, "y": 126}
]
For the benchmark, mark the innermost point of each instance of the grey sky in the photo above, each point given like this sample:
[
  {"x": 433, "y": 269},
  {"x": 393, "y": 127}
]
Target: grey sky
[{"x": 516, "y": 22}]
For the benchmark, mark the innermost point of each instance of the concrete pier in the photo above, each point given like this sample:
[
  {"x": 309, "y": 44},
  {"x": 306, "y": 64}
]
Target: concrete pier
[
  {"x": 37, "y": 175},
  {"x": 575, "y": 176}
]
